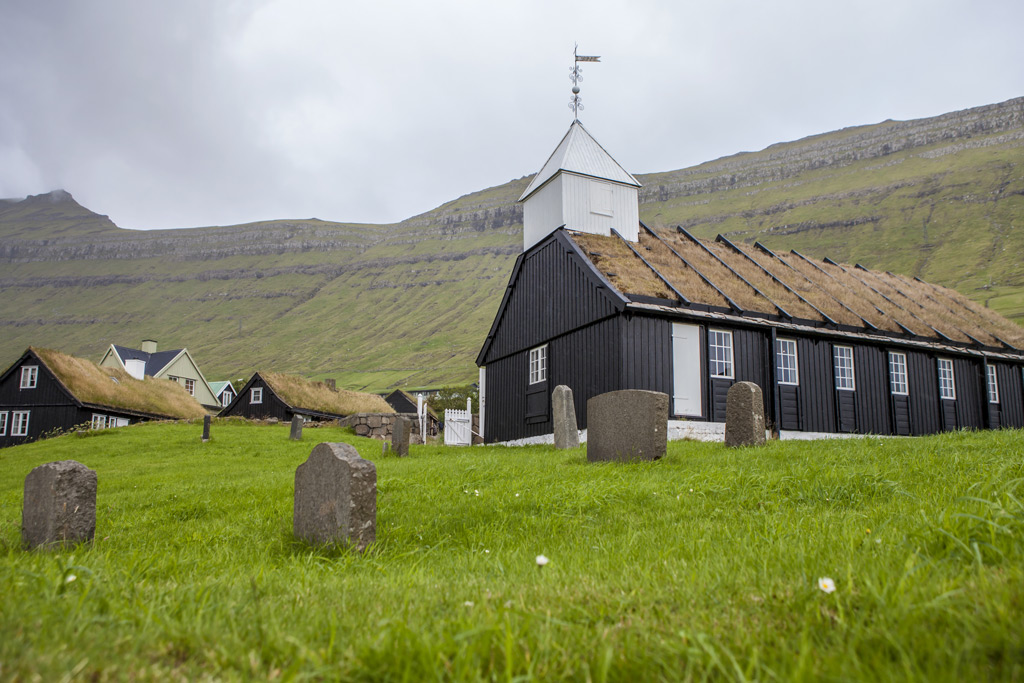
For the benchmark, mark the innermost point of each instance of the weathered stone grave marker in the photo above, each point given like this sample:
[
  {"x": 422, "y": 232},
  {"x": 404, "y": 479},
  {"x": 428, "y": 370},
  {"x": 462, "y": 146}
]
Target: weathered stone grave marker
[
  {"x": 59, "y": 508},
  {"x": 206, "y": 428},
  {"x": 336, "y": 497},
  {"x": 627, "y": 425},
  {"x": 400, "y": 436},
  {"x": 563, "y": 412},
  {"x": 296, "y": 433},
  {"x": 744, "y": 415}
]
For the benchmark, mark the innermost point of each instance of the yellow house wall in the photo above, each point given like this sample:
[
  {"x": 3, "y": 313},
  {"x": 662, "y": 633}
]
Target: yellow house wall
[{"x": 183, "y": 368}]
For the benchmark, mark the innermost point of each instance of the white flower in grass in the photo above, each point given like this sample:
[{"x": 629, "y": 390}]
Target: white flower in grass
[
  {"x": 541, "y": 560},
  {"x": 69, "y": 578},
  {"x": 468, "y": 603},
  {"x": 826, "y": 584}
]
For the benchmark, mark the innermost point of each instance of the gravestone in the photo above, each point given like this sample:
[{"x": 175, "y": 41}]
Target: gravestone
[
  {"x": 59, "y": 507},
  {"x": 563, "y": 413},
  {"x": 336, "y": 497},
  {"x": 627, "y": 425},
  {"x": 206, "y": 428},
  {"x": 744, "y": 415},
  {"x": 296, "y": 433},
  {"x": 400, "y": 436}
]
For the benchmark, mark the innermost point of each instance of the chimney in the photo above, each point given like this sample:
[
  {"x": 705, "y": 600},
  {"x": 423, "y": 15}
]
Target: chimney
[{"x": 148, "y": 346}]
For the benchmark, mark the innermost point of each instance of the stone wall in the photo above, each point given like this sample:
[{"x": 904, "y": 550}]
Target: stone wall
[{"x": 378, "y": 425}]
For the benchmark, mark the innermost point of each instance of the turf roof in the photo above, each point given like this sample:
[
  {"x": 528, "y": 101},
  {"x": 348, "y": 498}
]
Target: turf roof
[
  {"x": 745, "y": 279},
  {"x": 115, "y": 388},
  {"x": 303, "y": 394}
]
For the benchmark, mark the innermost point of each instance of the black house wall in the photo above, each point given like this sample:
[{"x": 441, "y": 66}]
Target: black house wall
[
  {"x": 271, "y": 406},
  {"x": 1011, "y": 395},
  {"x": 593, "y": 371}
]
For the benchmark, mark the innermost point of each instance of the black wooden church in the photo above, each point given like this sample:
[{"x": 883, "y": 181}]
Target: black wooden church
[{"x": 599, "y": 302}]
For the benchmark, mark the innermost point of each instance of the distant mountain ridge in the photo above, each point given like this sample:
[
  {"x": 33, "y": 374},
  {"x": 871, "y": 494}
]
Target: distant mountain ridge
[{"x": 408, "y": 304}]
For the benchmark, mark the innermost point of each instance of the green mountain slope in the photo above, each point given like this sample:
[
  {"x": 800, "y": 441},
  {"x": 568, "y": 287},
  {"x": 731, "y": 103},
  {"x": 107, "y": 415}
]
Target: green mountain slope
[{"x": 408, "y": 304}]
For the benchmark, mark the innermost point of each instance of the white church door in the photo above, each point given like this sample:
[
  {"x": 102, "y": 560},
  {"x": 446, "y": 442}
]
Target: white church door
[{"x": 687, "y": 380}]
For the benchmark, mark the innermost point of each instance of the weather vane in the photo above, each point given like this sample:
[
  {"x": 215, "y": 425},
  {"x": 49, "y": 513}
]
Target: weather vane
[{"x": 575, "y": 103}]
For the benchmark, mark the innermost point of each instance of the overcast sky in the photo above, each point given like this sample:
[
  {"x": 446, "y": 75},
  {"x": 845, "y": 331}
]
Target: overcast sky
[{"x": 213, "y": 112}]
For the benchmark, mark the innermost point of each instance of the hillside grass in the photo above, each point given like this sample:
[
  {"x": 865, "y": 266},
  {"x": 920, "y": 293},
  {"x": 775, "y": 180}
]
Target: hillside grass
[{"x": 704, "y": 565}]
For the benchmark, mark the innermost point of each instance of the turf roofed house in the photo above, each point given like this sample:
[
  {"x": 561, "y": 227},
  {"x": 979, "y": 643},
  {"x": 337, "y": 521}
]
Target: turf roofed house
[
  {"x": 176, "y": 364},
  {"x": 599, "y": 302},
  {"x": 47, "y": 391},
  {"x": 275, "y": 395}
]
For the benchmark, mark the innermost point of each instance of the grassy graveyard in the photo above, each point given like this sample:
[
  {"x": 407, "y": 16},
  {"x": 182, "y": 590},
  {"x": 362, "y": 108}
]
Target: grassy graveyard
[{"x": 703, "y": 565}]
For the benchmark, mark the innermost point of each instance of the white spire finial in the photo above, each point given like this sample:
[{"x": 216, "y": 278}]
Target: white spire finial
[{"x": 575, "y": 103}]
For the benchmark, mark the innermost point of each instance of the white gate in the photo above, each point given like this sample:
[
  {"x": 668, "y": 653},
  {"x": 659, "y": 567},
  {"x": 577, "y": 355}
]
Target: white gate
[{"x": 458, "y": 426}]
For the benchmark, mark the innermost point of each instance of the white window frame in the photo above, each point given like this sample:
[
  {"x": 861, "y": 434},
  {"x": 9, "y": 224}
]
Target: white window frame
[
  {"x": 846, "y": 376},
  {"x": 19, "y": 422},
  {"x": 190, "y": 386},
  {"x": 256, "y": 395},
  {"x": 992, "y": 382},
  {"x": 898, "y": 380},
  {"x": 99, "y": 421},
  {"x": 947, "y": 379},
  {"x": 785, "y": 351},
  {"x": 29, "y": 376},
  {"x": 720, "y": 354},
  {"x": 3, "y": 423},
  {"x": 539, "y": 364},
  {"x": 226, "y": 397}
]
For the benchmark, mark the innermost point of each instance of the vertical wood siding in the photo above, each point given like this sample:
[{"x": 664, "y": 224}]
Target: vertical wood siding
[
  {"x": 748, "y": 366},
  {"x": 587, "y": 360},
  {"x": 873, "y": 395},
  {"x": 968, "y": 374},
  {"x": 817, "y": 385},
  {"x": 553, "y": 295},
  {"x": 1011, "y": 395},
  {"x": 271, "y": 407},
  {"x": 923, "y": 378},
  {"x": 647, "y": 354}
]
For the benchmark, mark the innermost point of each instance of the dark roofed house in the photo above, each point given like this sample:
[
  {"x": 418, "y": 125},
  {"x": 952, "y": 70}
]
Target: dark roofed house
[
  {"x": 224, "y": 392},
  {"x": 47, "y": 391},
  {"x": 176, "y": 364},
  {"x": 276, "y": 395},
  {"x": 599, "y": 302},
  {"x": 405, "y": 403}
]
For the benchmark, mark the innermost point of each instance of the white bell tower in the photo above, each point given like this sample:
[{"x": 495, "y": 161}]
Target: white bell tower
[{"x": 581, "y": 187}]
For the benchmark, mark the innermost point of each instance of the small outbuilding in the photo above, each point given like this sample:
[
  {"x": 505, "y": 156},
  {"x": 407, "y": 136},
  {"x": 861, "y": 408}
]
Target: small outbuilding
[
  {"x": 224, "y": 392},
  {"x": 405, "y": 403},
  {"x": 47, "y": 392},
  {"x": 270, "y": 395}
]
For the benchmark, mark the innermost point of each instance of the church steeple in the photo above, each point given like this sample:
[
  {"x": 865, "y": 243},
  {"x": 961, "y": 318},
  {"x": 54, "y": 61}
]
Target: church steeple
[{"x": 581, "y": 187}]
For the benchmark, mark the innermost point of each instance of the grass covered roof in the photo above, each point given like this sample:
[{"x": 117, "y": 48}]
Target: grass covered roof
[
  {"x": 752, "y": 279},
  {"x": 305, "y": 394},
  {"x": 115, "y": 388}
]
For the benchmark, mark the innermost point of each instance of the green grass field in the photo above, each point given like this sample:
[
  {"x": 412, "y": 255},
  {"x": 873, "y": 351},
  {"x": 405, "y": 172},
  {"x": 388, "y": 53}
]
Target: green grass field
[{"x": 704, "y": 565}]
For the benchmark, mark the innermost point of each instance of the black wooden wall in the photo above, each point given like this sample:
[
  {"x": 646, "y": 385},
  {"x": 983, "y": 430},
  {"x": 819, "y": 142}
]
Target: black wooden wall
[
  {"x": 553, "y": 293},
  {"x": 271, "y": 406}
]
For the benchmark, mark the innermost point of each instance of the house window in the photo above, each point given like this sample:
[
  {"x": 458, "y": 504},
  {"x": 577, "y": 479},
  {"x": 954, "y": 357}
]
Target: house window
[
  {"x": 99, "y": 421},
  {"x": 29, "y": 376},
  {"x": 190, "y": 387},
  {"x": 898, "y": 373},
  {"x": 539, "y": 364},
  {"x": 785, "y": 361},
  {"x": 19, "y": 423},
  {"x": 256, "y": 395},
  {"x": 3, "y": 423},
  {"x": 842, "y": 357},
  {"x": 720, "y": 353},
  {"x": 947, "y": 382},
  {"x": 225, "y": 398},
  {"x": 993, "y": 384}
]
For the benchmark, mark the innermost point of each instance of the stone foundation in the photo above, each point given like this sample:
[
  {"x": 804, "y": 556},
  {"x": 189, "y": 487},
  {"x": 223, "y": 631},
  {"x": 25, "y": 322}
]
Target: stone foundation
[{"x": 379, "y": 425}]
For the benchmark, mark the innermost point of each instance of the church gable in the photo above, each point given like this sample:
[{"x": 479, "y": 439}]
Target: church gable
[{"x": 553, "y": 290}]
